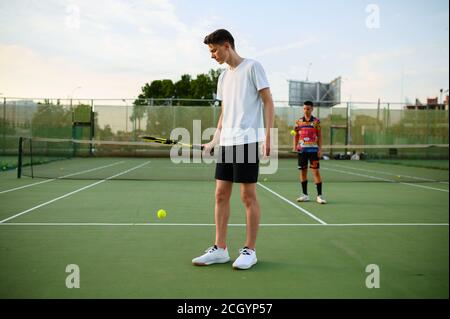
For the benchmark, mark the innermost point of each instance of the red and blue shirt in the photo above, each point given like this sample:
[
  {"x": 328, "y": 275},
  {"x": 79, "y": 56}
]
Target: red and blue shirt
[{"x": 308, "y": 132}]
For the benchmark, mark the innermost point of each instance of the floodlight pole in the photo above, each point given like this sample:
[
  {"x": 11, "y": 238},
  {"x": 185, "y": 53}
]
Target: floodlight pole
[
  {"x": 73, "y": 91},
  {"x": 126, "y": 115},
  {"x": 307, "y": 70}
]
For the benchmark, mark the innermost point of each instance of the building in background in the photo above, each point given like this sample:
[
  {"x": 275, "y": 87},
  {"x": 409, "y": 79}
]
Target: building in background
[
  {"x": 322, "y": 94},
  {"x": 432, "y": 104}
]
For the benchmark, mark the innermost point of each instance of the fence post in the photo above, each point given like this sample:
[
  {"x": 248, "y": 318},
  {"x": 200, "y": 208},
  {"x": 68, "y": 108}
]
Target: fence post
[
  {"x": 19, "y": 158},
  {"x": 347, "y": 121},
  {"x": 378, "y": 110},
  {"x": 91, "y": 127},
  {"x": 4, "y": 126}
]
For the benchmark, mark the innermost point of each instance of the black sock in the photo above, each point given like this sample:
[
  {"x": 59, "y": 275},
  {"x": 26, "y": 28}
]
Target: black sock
[
  {"x": 305, "y": 187},
  {"x": 319, "y": 189}
]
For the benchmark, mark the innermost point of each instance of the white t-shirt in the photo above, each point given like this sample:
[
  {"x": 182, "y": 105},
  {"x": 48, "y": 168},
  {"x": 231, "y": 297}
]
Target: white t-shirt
[{"x": 242, "y": 106}]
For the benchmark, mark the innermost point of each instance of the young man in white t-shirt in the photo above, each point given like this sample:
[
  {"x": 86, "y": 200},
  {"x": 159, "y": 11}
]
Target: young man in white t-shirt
[{"x": 245, "y": 94}]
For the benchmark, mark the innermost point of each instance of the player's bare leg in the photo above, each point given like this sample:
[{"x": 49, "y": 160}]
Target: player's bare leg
[
  {"x": 303, "y": 175},
  {"x": 247, "y": 255},
  {"x": 316, "y": 176},
  {"x": 222, "y": 211},
  {"x": 248, "y": 197},
  {"x": 218, "y": 253}
]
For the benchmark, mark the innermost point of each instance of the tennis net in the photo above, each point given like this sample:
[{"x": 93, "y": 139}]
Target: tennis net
[{"x": 115, "y": 160}]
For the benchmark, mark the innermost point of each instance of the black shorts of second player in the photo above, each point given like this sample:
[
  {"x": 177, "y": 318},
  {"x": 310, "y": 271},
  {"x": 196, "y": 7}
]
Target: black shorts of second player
[
  {"x": 238, "y": 163},
  {"x": 305, "y": 157}
]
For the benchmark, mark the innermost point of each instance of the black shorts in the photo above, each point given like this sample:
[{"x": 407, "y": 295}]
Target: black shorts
[
  {"x": 238, "y": 163},
  {"x": 304, "y": 157}
]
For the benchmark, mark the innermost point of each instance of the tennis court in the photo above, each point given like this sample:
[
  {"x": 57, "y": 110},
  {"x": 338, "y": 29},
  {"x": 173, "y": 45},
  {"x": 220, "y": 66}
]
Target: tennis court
[{"x": 101, "y": 216}]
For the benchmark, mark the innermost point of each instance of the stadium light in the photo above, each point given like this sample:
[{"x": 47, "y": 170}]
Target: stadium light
[{"x": 73, "y": 91}]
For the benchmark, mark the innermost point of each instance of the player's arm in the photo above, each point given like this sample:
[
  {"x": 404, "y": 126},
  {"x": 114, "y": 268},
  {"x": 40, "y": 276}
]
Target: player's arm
[
  {"x": 296, "y": 137},
  {"x": 319, "y": 142},
  {"x": 266, "y": 97},
  {"x": 216, "y": 138}
]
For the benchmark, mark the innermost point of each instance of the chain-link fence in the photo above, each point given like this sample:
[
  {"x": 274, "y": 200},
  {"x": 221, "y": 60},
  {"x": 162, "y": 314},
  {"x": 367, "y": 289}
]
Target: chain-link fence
[{"x": 125, "y": 119}]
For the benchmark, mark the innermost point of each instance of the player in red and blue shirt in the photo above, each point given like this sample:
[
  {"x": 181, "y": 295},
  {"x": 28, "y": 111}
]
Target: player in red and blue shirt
[{"x": 308, "y": 145}]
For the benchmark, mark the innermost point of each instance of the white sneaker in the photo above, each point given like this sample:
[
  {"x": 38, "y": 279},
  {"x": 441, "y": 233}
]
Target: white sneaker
[
  {"x": 321, "y": 200},
  {"x": 214, "y": 255},
  {"x": 303, "y": 198},
  {"x": 246, "y": 259}
]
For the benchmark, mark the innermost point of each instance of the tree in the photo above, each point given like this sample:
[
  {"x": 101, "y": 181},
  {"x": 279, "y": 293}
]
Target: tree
[
  {"x": 183, "y": 87},
  {"x": 52, "y": 120},
  {"x": 214, "y": 76},
  {"x": 203, "y": 86},
  {"x": 106, "y": 133},
  {"x": 138, "y": 114},
  {"x": 167, "y": 89},
  {"x": 154, "y": 90}
]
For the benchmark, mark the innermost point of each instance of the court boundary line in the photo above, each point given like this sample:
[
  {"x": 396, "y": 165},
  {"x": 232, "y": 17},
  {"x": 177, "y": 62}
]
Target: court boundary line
[
  {"x": 232, "y": 225},
  {"x": 293, "y": 204},
  {"x": 71, "y": 193},
  {"x": 385, "y": 179},
  {"x": 61, "y": 177},
  {"x": 388, "y": 173}
]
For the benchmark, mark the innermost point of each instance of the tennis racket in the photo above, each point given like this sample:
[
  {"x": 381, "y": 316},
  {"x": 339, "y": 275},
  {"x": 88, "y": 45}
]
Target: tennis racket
[{"x": 167, "y": 141}]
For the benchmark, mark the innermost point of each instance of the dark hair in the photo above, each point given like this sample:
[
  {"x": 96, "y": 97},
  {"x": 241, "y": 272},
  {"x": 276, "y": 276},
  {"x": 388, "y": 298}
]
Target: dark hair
[
  {"x": 308, "y": 103},
  {"x": 219, "y": 37}
]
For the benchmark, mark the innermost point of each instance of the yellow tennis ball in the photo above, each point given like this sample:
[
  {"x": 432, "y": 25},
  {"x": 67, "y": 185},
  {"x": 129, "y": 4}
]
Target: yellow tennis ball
[
  {"x": 293, "y": 132},
  {"x": 265, "y": 179},
  {"x": 161, "y": 214}
]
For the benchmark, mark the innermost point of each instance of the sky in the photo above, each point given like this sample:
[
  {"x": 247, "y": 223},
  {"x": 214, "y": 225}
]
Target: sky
[{"x": 389, "y": 50}]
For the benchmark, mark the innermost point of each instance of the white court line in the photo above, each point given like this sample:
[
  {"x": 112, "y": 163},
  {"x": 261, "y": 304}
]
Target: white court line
[
  {"x": 231, "y": 225},
  {"x": 291, "y": 203},
  {"x": 385, "y": 179},
  {"x": 391, "y": 174},
  {"x": 54, "y": 179},
  {"x": 71, "y": 193}
]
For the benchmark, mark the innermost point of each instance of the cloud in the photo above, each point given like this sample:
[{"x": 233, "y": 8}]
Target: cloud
[
  {"x": 117, "y": 45},
  {"x": 139, "y": 36},
  {"x": 287, "y": 47},
  {"x": 376, "y": 75},
  {"x": 25, "y": 73}
]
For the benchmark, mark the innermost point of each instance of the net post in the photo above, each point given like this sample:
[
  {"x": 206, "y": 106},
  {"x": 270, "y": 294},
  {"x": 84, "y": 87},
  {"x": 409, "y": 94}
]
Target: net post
[
  {"x": 19, "y": 158},
  {"x": 347, "y": 126}
]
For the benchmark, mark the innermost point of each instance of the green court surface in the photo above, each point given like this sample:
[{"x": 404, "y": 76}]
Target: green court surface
[{"x": 392, "y": 215}]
